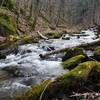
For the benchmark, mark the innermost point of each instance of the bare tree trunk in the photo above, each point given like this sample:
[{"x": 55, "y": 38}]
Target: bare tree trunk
[
  {"x": 36, "y": 13},
  {"x": 61, "y": 5},
  {"x": 18, "y": 12}
]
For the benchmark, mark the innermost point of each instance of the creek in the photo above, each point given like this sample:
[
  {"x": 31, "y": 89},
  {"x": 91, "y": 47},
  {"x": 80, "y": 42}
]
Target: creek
[{"x": 31, "y": 69}]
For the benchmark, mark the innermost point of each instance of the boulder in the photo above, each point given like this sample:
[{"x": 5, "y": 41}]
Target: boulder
[
  {"x": 97, "y": 53},
  {"x": 71, "y": 52},
  {"x": 73, "y": 62},
  {"x": 18, "y": 71}
]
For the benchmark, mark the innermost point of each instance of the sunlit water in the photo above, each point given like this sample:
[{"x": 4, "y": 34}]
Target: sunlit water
[{"x": 35, "y": 69}]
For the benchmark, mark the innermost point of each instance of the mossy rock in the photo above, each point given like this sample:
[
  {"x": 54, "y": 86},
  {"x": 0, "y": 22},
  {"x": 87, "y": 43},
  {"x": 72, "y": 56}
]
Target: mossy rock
[
  {"x": 34, "y": 93},
  {"x": 73, "y": 80},
  {"x": 67, "y": 83},
  {"x": 73, "y": 62},
  {"x": 8, "y": 3},
  {"x": 7, "y": 25},
  {"x": 53, "y": 35},
  {"x": 97, "y": 53},
  {"x": 73, "y": 52}
]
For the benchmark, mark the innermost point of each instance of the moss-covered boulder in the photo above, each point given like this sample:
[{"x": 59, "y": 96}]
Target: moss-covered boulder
[
  {"x": 97, "y": 53},
  {"x": 73, "y": 62},
  {"x": 73, "y": 52},
  {"x": 66, "y": 84},
  {"x": 8, "y": 3},
  {"x": 34, "y": 93},
  {"x": 53, "y": 35},
  {"x": 7, "y": 25}
]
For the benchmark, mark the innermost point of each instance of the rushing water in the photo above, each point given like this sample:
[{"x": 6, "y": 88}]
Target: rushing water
[{"x": 32, "y": 69}]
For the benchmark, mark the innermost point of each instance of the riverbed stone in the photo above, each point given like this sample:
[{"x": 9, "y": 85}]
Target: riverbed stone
[{"x": 18, "y": 70}]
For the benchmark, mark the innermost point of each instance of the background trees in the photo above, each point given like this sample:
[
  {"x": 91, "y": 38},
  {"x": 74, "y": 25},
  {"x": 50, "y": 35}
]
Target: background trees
[{"x": 61, "y": 12}]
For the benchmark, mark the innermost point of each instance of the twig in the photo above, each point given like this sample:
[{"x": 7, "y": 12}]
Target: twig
[{"x": 44, "y": 90}]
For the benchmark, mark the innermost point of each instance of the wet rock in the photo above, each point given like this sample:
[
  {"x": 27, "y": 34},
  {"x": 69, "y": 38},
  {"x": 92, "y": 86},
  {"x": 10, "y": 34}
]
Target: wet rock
[
  {"x": 66, "y": 37},
  {"x": 73, "y": 62},
  {"x": 18, "y": 71},
  {"x": 29, "y": 81},
  {"x": 97, "y": 53},
  {"x": 9, "y": 92},
  {"x": 73, "y": 52},
  {"x": 48, "y": 48},
  {"x": 34, "y": 93},
  {"x": 2, "y": 56}
]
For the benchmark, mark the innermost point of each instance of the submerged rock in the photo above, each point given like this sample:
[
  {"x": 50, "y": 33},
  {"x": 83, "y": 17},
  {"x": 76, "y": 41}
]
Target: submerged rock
[
  {"x": 73, "y": 62},
  {"x": 18, "y": 71}
]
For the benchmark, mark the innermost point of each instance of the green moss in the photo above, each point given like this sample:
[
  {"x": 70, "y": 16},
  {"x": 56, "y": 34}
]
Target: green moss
[
  {"x": 15, "y": 39},
  {"x": 7, "y": 25},
  {"x": 34, "y": 93},
  {"x": 97, "y": 53},
  {"x": 73, "y": 52},
  {"x": 81, "y": 72},
  {"x": 53, "y": 35},
  {"x": 73, "y": 62}
]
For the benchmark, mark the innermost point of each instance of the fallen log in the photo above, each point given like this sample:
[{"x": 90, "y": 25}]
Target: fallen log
[
  {"x": 95, "y": 42},
  {"x": 42, "y": 36}
]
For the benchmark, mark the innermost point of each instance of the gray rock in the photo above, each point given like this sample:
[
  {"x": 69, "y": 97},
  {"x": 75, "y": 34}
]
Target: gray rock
[{"x": 19, "y": 71}]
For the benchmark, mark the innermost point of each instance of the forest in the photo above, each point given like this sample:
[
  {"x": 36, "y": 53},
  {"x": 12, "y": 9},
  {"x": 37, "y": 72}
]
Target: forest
[{"x": 49, "y": 49}]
